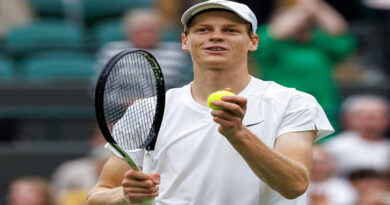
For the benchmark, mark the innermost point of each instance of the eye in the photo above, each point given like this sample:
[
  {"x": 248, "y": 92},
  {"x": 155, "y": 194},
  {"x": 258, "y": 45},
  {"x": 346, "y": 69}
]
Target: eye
[
  {"x": 231, "y": 30},
  {"x": 201, "y": 30}
]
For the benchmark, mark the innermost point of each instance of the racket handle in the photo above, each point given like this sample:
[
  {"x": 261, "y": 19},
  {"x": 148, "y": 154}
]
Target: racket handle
[
  {"x": 148, "y": 160},
  {"x": 147, "y": 165}
]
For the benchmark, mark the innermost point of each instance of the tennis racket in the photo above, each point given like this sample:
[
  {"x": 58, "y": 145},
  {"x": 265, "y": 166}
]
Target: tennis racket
[{"x": 129, "y": 105}]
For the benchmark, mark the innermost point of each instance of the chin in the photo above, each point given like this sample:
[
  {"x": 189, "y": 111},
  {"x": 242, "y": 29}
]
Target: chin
[{"x": 215, "y": 65}]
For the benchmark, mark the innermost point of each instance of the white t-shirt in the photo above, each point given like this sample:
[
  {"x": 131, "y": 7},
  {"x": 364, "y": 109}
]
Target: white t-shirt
[
  {"x": 199, "y": 166},
  {"x": 351, "y": 152},
  {"x": 337, "y": 191}
]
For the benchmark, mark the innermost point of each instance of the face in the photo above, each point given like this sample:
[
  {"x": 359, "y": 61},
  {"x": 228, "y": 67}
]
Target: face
[
  {"x": 370, "y": 120},
  {"x": 322, "y": 167},
  {"x": 145, "y": 34},
  {"x": 218, "y": 40},
  {"x": 25, "y": 193}
]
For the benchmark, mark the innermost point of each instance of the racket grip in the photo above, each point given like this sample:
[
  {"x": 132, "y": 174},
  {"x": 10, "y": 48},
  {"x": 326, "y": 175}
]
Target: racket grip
[
  {"x": 148, "y": 160},
  {"x": 146, "y": 168}
]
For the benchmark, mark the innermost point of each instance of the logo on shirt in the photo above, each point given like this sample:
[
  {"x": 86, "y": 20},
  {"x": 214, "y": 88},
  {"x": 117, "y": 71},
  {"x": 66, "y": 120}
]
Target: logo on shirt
[{"x": 253, "y": 124}]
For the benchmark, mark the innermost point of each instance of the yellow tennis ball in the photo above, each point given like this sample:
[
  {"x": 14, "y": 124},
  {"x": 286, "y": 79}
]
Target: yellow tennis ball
[{"x": 217, "y": 96}]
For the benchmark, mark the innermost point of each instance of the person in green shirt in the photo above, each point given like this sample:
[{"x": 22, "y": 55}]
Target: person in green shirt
[{"x": 300, "y": 47}]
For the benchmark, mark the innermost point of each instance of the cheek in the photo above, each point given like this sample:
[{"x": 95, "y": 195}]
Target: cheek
[
  {"x": 241, "y": 48},
  {"x": 192, "y": 46}
]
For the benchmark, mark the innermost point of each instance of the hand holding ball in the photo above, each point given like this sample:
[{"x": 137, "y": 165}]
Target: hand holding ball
[{"x": 217, "y": 96}]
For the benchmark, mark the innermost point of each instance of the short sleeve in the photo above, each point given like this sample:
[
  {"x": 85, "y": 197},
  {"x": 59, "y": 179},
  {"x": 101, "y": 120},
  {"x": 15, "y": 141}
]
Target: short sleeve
[
  {"x": 303, "y": 113},
  {"x": 137, "y": 155}
]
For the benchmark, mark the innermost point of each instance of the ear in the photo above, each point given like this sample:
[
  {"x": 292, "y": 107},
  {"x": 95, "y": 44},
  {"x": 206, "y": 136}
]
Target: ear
[
  {"x": 254, "y": 42},
  {"x": 184, "y": 45}
]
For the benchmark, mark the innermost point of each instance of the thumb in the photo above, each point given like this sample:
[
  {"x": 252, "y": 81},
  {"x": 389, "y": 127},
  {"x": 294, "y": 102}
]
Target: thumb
[
  {"x": 229, "y": 89},
  {"x": 155, "y": 177}
]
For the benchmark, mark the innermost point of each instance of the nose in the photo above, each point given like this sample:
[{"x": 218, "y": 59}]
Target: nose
[{"x": 216, "y": 35}]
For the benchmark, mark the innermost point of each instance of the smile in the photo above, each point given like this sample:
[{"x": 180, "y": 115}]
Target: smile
[{"x": 216, "y": 49}]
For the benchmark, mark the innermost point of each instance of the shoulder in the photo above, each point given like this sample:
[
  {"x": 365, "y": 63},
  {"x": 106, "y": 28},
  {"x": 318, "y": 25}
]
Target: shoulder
[
  {"x": 171, "y": 45},
  {"x": 175, "y": 95},
  {"x": 115, "y": 46},
  {"x": 341, "y": 140},
  {"x": 282, "y": 95}
]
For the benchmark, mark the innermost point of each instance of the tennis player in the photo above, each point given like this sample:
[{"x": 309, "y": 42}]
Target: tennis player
[{"x": 257, "y": 151}]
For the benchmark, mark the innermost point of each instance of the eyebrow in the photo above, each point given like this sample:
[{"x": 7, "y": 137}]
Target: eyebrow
[{"x": 225, "y": 25}]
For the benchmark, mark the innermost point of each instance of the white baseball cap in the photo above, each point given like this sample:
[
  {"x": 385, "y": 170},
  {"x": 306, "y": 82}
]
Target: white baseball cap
[{"x": 241, "y": 10}]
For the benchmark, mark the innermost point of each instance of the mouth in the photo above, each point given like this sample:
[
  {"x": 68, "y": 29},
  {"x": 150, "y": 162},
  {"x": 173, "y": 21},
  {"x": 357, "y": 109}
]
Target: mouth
[{"x": 215, "y": 49}]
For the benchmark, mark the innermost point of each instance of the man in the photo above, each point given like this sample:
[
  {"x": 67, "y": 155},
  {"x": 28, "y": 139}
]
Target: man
[
  {"x": 143, "y": 30},
  {"x": 257, "y": 151},
  {"x": 29, "y": 190},
  {"x": 363, "y": 144},
  {"x": 325, "y": 187}
]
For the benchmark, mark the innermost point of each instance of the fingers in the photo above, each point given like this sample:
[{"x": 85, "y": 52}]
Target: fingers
[
  {"x": 235, "y": 104},
  {"x": 230, "y": 118},
  {"x": 138, "y": 185}
]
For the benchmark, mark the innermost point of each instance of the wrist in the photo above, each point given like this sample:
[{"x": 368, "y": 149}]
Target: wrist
[
  {"x": 125, "y": 200},
  {"x": 239, "y": 136}
]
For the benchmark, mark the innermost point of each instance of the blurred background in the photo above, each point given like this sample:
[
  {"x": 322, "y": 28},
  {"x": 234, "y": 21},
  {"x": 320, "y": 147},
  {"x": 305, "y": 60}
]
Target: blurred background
[{"x": 51, "y": 53}]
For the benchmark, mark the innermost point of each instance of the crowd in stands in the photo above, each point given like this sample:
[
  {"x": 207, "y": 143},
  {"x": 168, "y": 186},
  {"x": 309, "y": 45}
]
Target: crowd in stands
[{"x": 312, "y": 45}]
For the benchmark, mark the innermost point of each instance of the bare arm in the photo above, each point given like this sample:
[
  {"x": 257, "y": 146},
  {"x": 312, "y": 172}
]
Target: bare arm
[
  {"x": 118, "y": 185},
  {"x": 108, "y": 190},
  {"x": 287, "y": 23},
  {"x": 325, "y": 16},
  {"x": 285, "y": 168}
]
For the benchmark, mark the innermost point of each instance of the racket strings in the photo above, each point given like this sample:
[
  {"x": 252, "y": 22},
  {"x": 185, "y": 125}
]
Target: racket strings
[{"x": 130, "y": 101}]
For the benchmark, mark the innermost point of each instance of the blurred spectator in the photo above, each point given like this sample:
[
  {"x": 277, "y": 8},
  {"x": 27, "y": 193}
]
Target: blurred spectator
[
  {"x": 300, "y": 47},
  {"x": 13, "y": 13},
  {"x": 143, "y": 30},
  {"x": 73, "y": 179},
  {"x": 29, "y": 191},
  {"x": 325, "y": 188},
  {"x": 371, "y": 187},
  {"x": 363, "y": 143}
]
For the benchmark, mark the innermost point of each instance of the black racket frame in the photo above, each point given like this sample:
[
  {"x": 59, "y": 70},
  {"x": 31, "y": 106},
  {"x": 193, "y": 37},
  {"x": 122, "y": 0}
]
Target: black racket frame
[{"x": 150, "y": 142}]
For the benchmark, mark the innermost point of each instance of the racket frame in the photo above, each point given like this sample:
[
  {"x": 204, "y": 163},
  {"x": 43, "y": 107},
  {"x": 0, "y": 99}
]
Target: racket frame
[{"x": 150, "y": 143}]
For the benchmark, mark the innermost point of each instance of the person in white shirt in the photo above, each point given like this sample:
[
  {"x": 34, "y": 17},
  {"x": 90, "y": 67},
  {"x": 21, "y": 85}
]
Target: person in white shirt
[
  {"x": 324, "y": 185},
  {"x": 143, "y": 30},
  {"x": 363, "y": 144},
  {"x": 257, "y": 151}
]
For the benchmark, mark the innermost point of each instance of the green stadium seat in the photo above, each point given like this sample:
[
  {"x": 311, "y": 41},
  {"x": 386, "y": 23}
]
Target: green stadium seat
[
  {"x": 59, "y": 66},
  {"x": 107, "y": 31},
  {"x": 172, "y": 34},
  {"x": 53, "y": 8},
  {"x": 43, "y": 35},
  {"x": 6, "y": 68},
  {"x": 95, "y": 10},
  {"x": 112, "y": 30}
]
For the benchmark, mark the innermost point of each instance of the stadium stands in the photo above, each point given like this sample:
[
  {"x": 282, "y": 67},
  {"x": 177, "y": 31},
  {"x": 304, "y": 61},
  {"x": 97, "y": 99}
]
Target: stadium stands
[
  {"x": 106, "y": 31},
  {"x": 6, "y": 68},
  {"x": 58, "y": 66},
  {"x": 43, "y": 35},
  {"x": 53, "y": 8},
  {"x": 95, "y": 10}
]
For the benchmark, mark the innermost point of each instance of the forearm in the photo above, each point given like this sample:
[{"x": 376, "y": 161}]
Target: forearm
[
  {"x": 329, "y": 19},
  {"x": 106, "y": 196},
  {"x": 286, "y": 24},
  {"x": 286, "y": 176}
]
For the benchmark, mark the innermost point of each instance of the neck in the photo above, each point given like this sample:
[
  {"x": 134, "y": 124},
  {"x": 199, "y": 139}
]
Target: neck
[{"x": 209, "y": 80}]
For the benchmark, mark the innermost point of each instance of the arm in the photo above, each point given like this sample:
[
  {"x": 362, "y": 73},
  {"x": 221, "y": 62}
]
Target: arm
[
  {"x": 108, "y": 190},
  {"x": 325, "y": 16},
  {"x": 287, "y": 23},
  {"x": 118, "y": 185},
  {"x": 285, "y": 168}
]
